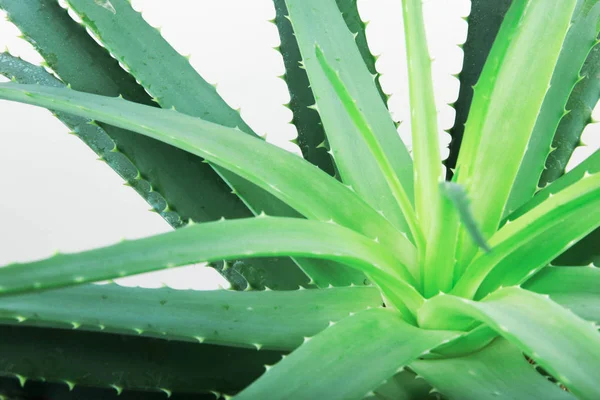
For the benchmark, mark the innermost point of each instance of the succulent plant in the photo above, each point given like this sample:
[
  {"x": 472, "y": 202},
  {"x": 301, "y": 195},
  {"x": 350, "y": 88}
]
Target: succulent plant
[{"x": 355, "y": 270}]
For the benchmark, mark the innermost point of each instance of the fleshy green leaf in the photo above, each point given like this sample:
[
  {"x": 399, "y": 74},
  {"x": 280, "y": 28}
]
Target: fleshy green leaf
[
  {"x": 124, "y": 362},
  {"x": 583, "y": 99},
  {"x": 565, "y": 345},
  {"x": 426, "y": 147},
  {"x": 494, "y": 144},
  {"x": 497, "y": 372},
  {"x": 349, "y": 10},
  {"x": 529, "y": 243},
  {"x": 484, "y": 22},
  {"x": 190, "y": 187},
  {"x": 311, "y": 135},
  {"x": 370, "y": 138},
  {"x": 254, "y": 237},
  {"x": 313, "y": 193},
  {"x": 586, "y": 250},
  {"x": 580, "y": 39},
  {"x": 405, "y": 385},
  {"x": 458, "y": 196},
  {"x": 320, "y": 22},
  {"x": 173, "y": 82},
  {"x": 270, "y": 319},
  {"x": 177, "y": 185},
  {"x": 590, "y": 165},
  {"x": 575, "y": 288},
  {"x": 377, "y": 339}
]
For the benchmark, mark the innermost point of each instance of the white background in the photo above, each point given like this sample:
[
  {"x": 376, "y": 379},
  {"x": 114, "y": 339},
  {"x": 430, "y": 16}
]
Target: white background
[{"x": 56, "y": 196}]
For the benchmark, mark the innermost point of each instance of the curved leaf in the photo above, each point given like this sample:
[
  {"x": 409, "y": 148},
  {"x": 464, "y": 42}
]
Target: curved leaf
[
  {"x": 484, "y": 22},
  {"x": 580, "y": 39},
  {"x": 254, "y": 237},
  {"x": 499, "y": 371},
  {"x": 565, "y": 345},
  {"x": 270, "y": 319},
  {"x": 575, "y": 288},
  {"x": 320, "y": 22},
  {"x": 313, "y": 193},
  {"x": 176, "y": 184},
  {"x": 180, "y": 178},
  {"x": 123, "y": 362},
  {"x": 376, "y": 339},
  {"x": 494, "y": 145},
  {"x": 583, "y": 99},
  {"x": 529, "y": 243},
  {"x": 424, "y": 126}
]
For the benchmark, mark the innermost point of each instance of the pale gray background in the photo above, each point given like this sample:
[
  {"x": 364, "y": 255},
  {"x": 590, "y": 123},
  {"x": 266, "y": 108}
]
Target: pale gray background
[{"x": 56, "y": 196}]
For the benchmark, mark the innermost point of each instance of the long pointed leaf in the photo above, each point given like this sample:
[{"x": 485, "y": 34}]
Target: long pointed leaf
[
  {"x": 565, "y": 345},
  {"x": 270, "y": 319},
  {"x": 173, "y": 82},
  {"x": 580, "y": 39},
  {"x": 254, "y": 237},
  {"x": 176, "y": 184},
  {"x": 583, "y": 99},
  {"x": 122, "y": 363},
  {"x": 312, "y": 192},
  {"x": 370, "y": 138},
  {"x": 586, "y": 250},
  {"x": 317, "y": 21},
  {"x": 529, "y": 243},
  {"x": 405, "y": 385},
  {"x": 183, "y": 180},
  {"x": 484, "y": 22},
  {"x": 377, "y": 339},
  {"x": 494, "y": 144},
  {"x": 575, "y": 288},
  {"x": 498, "y": 371},
  {"x": 311, "y": 135},
  {"x": 426, "y": 147}
]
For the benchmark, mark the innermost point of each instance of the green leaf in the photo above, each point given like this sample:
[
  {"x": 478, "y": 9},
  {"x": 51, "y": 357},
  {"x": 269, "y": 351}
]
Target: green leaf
[
  {"x": 177, "y": 185},
  {"x": 497, "y": 372},
  {"x": 124, "y": 362},
  {"x": 313, "y": 193},
  {"x": 349, "y": 10},
  {"x": 583, "y": 99},
  {"x": 91, "y": 134},
  {"x": 529, "y": 243},
  {"x": 376, "y": 339},
  {"x": 311, "y": 135},
  {"x": 173, "y": 82},
  {"x": 426, "y": 147},
  {"x": 590, "y": 165},
  {"x": 253, "y": 237},
  {"x": 586, "y": 250},
  {"x": 190, "y": 187},
  {"x": 494, "y": 145},
  {"x": 575, "y": 288},
  {"x": 484, "y": 22},
  {"x": 269, "y": 319},
  {"x": 405, "y": 385},
  {"x": 565, "y": 345},
  {"x": 580, "y": 39},
  {"x": 458, "y": 196},
  {"x": 320, "y": 22},
  {"x": 373, "y": 144},
  {"x": 10, "y": 388}
]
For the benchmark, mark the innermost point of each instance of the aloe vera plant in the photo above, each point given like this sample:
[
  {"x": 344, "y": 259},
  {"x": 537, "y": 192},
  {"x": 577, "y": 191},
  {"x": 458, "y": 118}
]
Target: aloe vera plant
[{"x": 356, "y": 272}]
